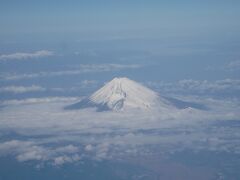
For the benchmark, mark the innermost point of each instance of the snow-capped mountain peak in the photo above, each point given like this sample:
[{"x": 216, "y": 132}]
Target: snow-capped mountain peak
[{"x": 123, "y": 93}]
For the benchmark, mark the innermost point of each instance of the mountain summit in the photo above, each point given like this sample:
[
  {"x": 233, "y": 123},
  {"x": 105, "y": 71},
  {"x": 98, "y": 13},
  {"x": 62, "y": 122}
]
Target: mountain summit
[{"x": 123, "y": 94}]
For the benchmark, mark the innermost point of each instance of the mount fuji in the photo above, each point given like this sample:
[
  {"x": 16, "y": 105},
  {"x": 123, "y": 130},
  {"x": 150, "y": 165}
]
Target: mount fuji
[{"x": 122, "y": 94}]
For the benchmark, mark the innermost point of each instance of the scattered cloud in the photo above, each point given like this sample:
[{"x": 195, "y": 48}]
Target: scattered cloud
[
  {"x": 107, "y": 67},
  {"x": 231, "y": 66},
  {"x": 21, "y": 89},
  {"x": 80, "y": 69},
  {"x": 60, "y": 160},
  {"x": 89, "y": 147},
  {"x": 67, "y": 149},
  {"x": 234, "y": 65},
  {"x": 204, "y": 86},
  {"x": 40, "y": 100},
  {"x": 23, "y": 55},
  {"x": 87, "y": 83},
  {"x": 36, "y": 88},
  {"x": 31, "y": 151},
  {"x": 198, "y": 87}
]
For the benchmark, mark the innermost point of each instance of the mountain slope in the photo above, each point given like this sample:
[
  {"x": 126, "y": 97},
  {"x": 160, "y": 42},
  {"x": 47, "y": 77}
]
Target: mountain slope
[{"x": 124, "y": 94}]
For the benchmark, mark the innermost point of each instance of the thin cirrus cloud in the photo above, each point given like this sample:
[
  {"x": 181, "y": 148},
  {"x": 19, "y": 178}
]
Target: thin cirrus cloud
[
  {"x": 24, "y": 55},
  {"x": 21, "y": 89},
  {"x": 83, "y": 68},
  {"x": 234, "y": 65},
  {"x": 198, "y": 86},
  {"x": 212, "y": 87},
  {"x": 39, "y": 100}
]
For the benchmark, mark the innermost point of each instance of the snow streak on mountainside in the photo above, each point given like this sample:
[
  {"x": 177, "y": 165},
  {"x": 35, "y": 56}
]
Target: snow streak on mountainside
[{"x": 124, "y": 94}]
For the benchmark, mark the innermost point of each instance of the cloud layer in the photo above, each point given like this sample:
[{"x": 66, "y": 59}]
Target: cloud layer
[{"x": 45, "y": 132}]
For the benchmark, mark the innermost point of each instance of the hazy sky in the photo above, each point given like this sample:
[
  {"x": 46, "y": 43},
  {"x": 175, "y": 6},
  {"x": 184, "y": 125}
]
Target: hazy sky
[
  {"x": 119, "y": 19},
  {"x": 56, "y": 44}
]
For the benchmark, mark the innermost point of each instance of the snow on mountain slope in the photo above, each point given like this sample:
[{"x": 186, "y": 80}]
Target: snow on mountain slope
[
  {"x": 124, "y": 94},
  {"x": 121, "y": 93}
]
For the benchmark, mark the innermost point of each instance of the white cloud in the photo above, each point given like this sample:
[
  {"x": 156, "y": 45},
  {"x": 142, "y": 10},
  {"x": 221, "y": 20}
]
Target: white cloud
[
  {"x": 56, "y": 136},
  {"x": 220, "y": 84},
  {"x": 23, "y": 55},
  {"x": 206, "y": 86},
  {"x": 67, "y": 149},
  {"x": 88, "y": 83},
  {"x": 31, "y": 151},
  {"x": 30, "y": 101},
  {"x": 81, "y": 69},
  {"x": 198, "y": 86},
  {"x": 102, "y": 150},
  {"x": 21, "y": 89},
  {"x": 24, "y": 150},
  {"x": 11, "y": 146},
  {"x": 89, "y": 147},
  {"x": 107, "y": 67},
  {"x": 60, "y": 160},
  {"x": 229, "y": 66},
  {"x": 233, "y": 65}
]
